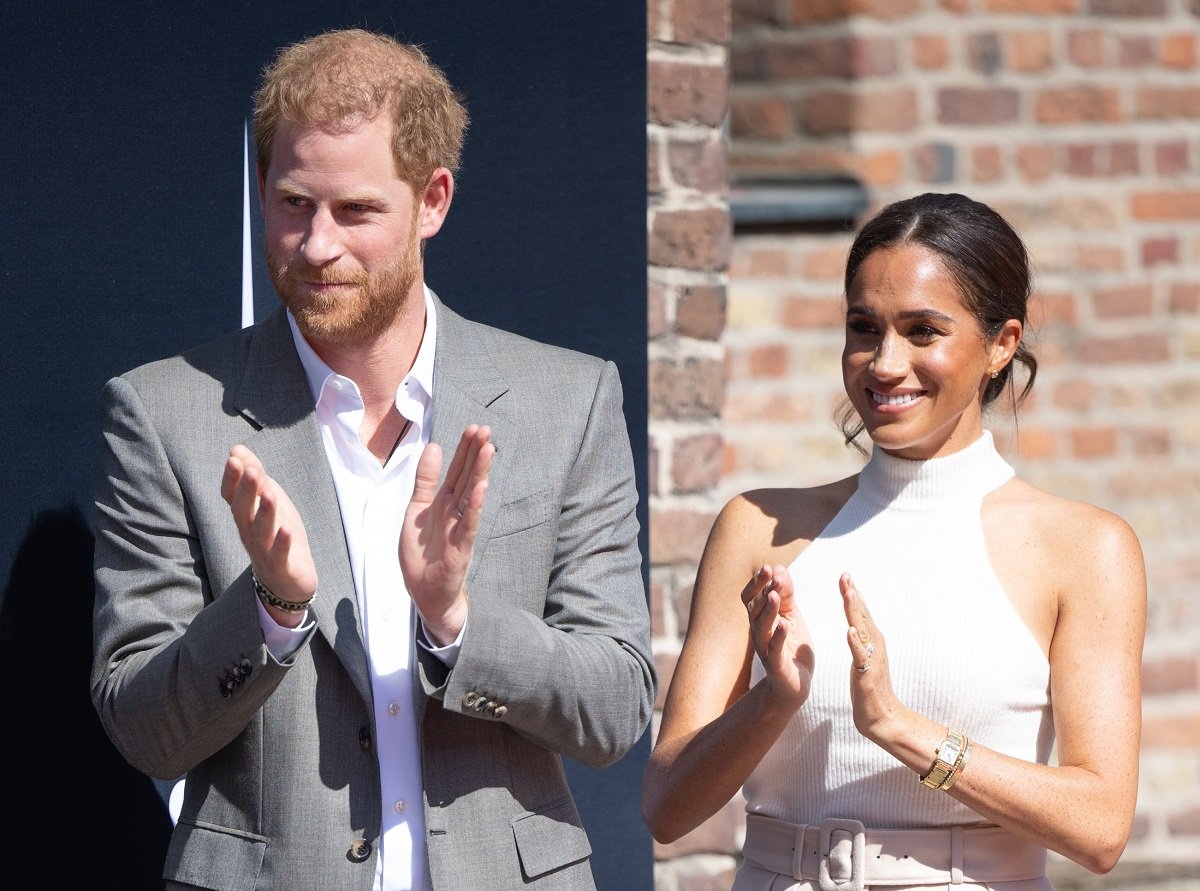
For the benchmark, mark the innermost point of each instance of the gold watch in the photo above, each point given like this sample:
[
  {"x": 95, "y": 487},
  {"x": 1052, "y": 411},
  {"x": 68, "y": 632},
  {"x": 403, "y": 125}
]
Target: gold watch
[{"x": 946, "y": 761}]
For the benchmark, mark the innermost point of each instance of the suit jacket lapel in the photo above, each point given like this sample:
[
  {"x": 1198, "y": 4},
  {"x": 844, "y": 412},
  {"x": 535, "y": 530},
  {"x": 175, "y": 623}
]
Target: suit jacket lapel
[
  {"x": 274, "y": 396},
  {"x": 466, "y": 384}
]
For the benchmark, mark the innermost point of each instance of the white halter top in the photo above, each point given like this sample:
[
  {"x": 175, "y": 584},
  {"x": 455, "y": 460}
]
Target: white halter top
[{"x": 912, "y": 538}]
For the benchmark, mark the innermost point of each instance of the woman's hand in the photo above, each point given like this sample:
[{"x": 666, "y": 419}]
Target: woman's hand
[
  {"x": 780, "y": 635},
  {"x": 875, "y": 703}
]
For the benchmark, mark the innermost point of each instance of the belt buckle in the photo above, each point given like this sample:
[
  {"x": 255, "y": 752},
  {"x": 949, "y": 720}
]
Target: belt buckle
[{"x": 850, "y": 839}]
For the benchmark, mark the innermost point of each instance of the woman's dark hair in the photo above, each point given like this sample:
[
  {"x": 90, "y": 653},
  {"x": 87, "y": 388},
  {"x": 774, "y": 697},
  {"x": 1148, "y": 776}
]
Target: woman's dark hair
[{"x": 979, "y": 250}]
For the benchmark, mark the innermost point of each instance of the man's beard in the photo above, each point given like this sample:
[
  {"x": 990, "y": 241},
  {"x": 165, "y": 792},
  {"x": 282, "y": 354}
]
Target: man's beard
[{"x": 357, "y": 314}]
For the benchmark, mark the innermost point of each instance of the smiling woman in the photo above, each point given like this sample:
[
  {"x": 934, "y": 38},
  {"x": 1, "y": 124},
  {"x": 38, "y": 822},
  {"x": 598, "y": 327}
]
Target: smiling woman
[{"x": 908, "y": 745}]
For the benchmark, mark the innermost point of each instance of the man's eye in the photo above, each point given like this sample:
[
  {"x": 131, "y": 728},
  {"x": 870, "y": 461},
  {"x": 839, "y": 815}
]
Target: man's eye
[
  {"x": 357, "y": 208},
  {"x": 294, "y": 201}
]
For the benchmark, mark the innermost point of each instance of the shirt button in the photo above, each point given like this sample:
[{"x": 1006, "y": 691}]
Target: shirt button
[
  {"x": 393, "y": 708},
  {"x": 400, "y": 807}
]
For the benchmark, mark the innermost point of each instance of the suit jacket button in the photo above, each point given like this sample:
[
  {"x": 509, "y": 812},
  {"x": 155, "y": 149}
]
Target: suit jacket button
[
  {"x": 501, "y": 711},
  {"x": 225, "y": 688},
  {"x": 360, "y": 850},
  {"x": 469, "y": 700},
  {"x": 246, "y": 667},
  {"x": 364, "y": 738}
]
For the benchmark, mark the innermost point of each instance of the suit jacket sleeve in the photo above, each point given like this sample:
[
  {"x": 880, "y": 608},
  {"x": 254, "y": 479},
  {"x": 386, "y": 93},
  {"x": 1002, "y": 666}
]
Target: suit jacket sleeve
[
  {"x": 179, "y": 669},
  {"x": 570, "y": 668}
]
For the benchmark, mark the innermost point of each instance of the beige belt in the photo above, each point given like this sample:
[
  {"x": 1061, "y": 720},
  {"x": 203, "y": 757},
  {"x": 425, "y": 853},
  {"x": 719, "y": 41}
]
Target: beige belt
[{"x": 840, "y": 855}]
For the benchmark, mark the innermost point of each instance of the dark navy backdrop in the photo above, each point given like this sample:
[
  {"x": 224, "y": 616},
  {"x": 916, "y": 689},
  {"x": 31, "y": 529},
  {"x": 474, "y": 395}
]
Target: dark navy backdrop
[{"x": 120, "y": 242}]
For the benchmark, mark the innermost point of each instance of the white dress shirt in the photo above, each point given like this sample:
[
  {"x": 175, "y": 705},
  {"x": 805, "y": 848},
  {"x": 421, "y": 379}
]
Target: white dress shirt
[{"x": 372, "y": 499}]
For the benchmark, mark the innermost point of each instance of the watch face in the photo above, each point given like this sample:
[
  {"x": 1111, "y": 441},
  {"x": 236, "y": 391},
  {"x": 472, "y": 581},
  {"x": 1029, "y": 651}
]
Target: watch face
[{"x": 947, "y": 752}]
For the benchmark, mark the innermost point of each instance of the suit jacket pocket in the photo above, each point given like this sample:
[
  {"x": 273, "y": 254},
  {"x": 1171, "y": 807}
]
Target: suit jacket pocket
[
  {"x": 524, "y": 513},
  {"x": 550, "y": 839},
  {"x": 213, "y": 856}
]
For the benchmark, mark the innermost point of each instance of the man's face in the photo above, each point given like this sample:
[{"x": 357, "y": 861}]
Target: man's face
[{"x": 343, "y": 240}]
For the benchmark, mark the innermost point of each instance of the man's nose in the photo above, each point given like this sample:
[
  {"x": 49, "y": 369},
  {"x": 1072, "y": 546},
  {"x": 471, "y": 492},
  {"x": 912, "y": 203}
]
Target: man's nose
[{"x": 322, "y": 243}]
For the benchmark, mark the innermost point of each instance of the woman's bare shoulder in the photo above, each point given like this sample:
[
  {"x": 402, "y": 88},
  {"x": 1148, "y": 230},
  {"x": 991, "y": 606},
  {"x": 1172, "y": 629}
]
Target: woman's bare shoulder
[{"x": 779, "y": 522}]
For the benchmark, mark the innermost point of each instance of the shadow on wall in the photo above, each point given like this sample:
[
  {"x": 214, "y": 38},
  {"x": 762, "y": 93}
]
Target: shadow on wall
[{"x": 76, "y": 814}]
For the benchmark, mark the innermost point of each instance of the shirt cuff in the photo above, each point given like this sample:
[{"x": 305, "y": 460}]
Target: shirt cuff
[
  {"x": 281, "y": 642},
  {"x": 447, "y": 654}
]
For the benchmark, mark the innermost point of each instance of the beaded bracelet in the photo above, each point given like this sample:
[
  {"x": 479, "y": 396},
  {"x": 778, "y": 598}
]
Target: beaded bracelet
[{"x": 269, "y": 597}]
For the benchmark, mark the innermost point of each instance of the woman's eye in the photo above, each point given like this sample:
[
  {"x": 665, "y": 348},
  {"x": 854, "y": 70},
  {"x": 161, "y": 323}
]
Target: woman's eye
[{"x": 923, "y": 332}]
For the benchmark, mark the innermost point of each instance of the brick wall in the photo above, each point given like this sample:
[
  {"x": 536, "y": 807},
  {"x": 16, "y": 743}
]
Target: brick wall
[{"x": 1080, "y": 121}]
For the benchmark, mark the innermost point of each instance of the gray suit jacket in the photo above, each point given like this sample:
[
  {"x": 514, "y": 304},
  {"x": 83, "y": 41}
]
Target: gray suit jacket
[{"x": 282, "y": 772}]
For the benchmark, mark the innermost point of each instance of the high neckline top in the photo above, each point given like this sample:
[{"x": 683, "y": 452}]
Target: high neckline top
[{"x": 964, "y": 476}]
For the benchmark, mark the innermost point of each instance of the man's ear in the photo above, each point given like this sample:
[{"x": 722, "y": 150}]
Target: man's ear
[{"x": 435, "y": 203}]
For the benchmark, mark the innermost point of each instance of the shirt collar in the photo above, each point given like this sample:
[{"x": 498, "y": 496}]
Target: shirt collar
[{"x": 319, "y": 374}]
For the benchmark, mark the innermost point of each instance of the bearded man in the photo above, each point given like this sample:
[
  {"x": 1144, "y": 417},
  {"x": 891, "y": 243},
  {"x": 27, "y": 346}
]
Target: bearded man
[{"x": 365, "y": 570}]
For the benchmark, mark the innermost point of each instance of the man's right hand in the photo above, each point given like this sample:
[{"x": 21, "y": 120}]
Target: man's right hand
[{"x": 271, "y": 531}]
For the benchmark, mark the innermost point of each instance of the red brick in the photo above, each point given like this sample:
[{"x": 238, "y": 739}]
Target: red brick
[
  {"x": 692, "y": 239},
  {"x": 1128, "y": 348},
  {"x": 930, "y": 52},
  {"x": 987, "y": 164},
  {"x": 1184, "y": 298},
  {"x": 1136, "y": 300},
  {"x": 1099, "y": 258},
  {"x": 1151, "y": 442},
  {"x": 686, "y": 92},
  {"x": 696, "y": 463},
  {"x": 1036, "y": 162},
  {"x": 652, "y": 19},
  {"x": 1093, "y": 442},
  {"x": 1171, "y": 731},
  {"x": 767, "y": 360},
  {"x": 1185, "y": 822},
  {"x": 1049, "y": 308},
  {"x": 1178, "y": 51},
  {"x": 887, "y": 110},
  {"x": 1086, "y": 48},
  {"x": 1037, "y": 444},
  {"x": 1123, "y": 159},
  {"x": 882, "y": 169},
  {"x": 688, "y": 389},
  {"x": 657, "y": 606},
  {"x": 700, "y": 312},
  {"x": 1156, "y": 251},
  {"x": 842, "y": 57},
  {"x": 808, "y": 12},
  {"x": 1179, "y": 204},
  {"x": 747, "y": 63},
  {"x": 779, "y": 408},
  {"x": 656, "y": 310},
  {"x": 978, "y": 105},
  {"x": 825, "y": 263},
  {"x": 1129, "y": 8},
  {"x": 1136, "y": 51},
  {"x": 747, "y": 13},
  {"x": 1081, "y": 160},
  {"x": 1171, "y": 158},
  {"x": 698, "y": 164},
  {"x": 701, "y": 21},
  {"x": 678, "y": 536},
  {"x": 1078, "y": 105},
  {"x": 984, "y": 53},
  {"x": 1075, "y": 395},
  {"x": 805, "y": 312},
  {"x": 1168, "y": 103},
  {"x": 760, "y": 117},
  {"x": 1030, "y": 51},
  {"x": 1037, "y": 7}
]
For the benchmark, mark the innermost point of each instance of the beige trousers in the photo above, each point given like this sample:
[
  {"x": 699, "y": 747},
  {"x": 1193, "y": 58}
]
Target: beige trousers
[{"x": 841, "y": 855}]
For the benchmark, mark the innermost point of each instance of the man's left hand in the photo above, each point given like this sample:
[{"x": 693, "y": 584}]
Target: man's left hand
[{"x": 439, "y": 530}]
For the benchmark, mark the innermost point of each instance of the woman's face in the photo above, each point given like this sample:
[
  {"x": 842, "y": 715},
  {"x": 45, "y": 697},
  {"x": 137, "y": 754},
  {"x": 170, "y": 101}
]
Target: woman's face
[{"x": 916, "y": 361}]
